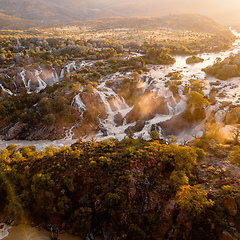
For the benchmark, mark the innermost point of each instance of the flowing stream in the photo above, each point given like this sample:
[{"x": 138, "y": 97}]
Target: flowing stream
[
  {"x": 155, "y": 83},
  {"x": 25, "y": 232}
]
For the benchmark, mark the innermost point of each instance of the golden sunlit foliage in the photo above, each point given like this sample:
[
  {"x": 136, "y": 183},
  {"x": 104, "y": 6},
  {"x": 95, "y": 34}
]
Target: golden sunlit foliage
[{"x": 193, "y": 200}]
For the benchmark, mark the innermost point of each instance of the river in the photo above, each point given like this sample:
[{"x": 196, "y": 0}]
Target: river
[
  {"x": 26, "y": 232},
  {"x": 155, "y": 81},
  {"x": 40, "y": 144}
]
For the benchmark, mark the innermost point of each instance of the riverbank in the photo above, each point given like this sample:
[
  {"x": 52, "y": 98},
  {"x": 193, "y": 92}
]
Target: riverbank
[
  {"x": 40, "y": 144},
  {"x": 26, "y": 232}
]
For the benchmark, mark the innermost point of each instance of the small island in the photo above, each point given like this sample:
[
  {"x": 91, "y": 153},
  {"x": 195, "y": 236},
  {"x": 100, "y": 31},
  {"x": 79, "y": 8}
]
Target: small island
[{"x": 194, "y": 59}]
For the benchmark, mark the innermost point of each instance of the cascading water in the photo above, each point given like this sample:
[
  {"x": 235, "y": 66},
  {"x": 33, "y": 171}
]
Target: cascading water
[
  {"x": 41, "y": 84},
  {"x": 71, "y": 66},
  {"x": 26, "y": 84},
  {"x": 220, "y": 116},
  {"x": 156, "y": 86},
  {"x": 54, "y": 77},
  {"x": 78, "y": 103},
  {"x": 156, "y": 83},
  {"x": 6, "y": 90},
  {"x": 106, "y": 93},
  {"x": 61, "y": 74},
  {"x": 69, "y": 134},
  {"x": 4, "y": 230}
]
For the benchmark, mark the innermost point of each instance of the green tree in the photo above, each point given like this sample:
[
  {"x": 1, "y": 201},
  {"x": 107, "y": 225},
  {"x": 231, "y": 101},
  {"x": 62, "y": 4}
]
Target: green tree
[
  {"x": 234, "y": 156},
  {"x": 130, "y": 133},
  {"x": 196, "y": 105},
  {"x": 193, "y": 199},
  {"x": 154, "y": 135},
  {"x": 179, "y": 178},
  {"x": 196, "y": 101},
  {"x": 82, "y": 220},
  {"x": 236, "y": 134},
  {"x": 136, "y": 233},
  {"x": 135, "y": 75}
]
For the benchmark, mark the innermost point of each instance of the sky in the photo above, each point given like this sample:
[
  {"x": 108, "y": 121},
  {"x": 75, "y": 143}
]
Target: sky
[{"x": 224, "y": 11}]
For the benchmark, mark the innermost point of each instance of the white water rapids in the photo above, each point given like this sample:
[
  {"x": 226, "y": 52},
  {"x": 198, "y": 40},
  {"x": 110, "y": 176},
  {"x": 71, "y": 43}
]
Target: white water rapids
[
  {"x": 154, "y": 82},
  {"x": 4, "y": 230}
]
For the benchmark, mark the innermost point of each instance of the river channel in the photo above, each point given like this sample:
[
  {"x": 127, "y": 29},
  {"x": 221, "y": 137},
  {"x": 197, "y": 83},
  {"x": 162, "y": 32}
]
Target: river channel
[
  {"x": 158, "y": 74},
  {"x": 25, "y": 232}
]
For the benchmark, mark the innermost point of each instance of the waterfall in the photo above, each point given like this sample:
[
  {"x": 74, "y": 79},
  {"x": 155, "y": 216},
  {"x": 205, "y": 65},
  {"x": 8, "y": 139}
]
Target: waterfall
[
  {"x": 6, "y": 90},
  {"x": 55, "y": 76},
  {"x": 219, "y": 116},
  {"x": 77, "y": 102},
  {"x": 153, "y": 82},
  {"x": 4, "y": 230},
  {"x": 170, "y": 109},
  {"x": 71, "y": 66},
  {"x": 69, "y": 134},
  {"x": 119, "y": 103},
  {"x": 180, "y": 107},
  {"x": 62, "y": 74},
  {"x": 16, "y": 88},
  {"x": 106, "y": 93},
  {"x": 26, "y": 85},
  {"x": 42, "y": 84}
]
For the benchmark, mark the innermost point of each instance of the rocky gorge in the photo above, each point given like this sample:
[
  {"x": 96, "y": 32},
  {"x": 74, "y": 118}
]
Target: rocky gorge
[
  {"x": 149, "y": 101},
  {"x": 124, "y": 176}
]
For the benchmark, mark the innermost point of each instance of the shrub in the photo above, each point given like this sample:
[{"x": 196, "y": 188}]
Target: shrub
[
  {"x": 193, "y": 199},
  {"x": 136, "y": 233},
  {"x": 82, "y": 219}
]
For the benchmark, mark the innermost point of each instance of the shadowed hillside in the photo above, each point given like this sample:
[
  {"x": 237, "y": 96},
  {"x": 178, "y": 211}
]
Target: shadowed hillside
[
  {"x": 48, "y": 12},
  {"x": 191, "y": 22},
  {"x": 10, "y": 22}
]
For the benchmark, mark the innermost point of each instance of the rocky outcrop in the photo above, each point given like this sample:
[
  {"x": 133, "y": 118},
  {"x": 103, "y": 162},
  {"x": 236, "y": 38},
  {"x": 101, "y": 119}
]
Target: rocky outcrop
[
  {"x": 176, "y": 125},
  {"x": 167, "y": 217},
  {"x": 147, "y": 107},
  {"x": 54, "y": 236},
  {"x": 230, "y": 205},
  {"x": 183, "y": 227},
  {"x": 137, "y": 127},
  {"x": 226, "y": 236},
  {"x": 42, "y": 132},
  {"x": 14, "y": 131},
  {"x": 19, "y": 82},
  {"x": 118, "y": 119},
  {"x": 24, "y": 131}
]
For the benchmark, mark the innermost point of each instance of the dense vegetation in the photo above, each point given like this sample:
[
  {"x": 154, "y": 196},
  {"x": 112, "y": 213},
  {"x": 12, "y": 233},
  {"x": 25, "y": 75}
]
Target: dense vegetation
[
  {"x": 194, "y": 59},
  {"x": 123, "y": 189},
  {"x": 224, "y": 69}
]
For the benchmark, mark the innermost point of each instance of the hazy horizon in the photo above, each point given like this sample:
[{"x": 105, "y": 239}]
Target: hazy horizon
[
  {"x": 222, "y": 11},
  {"x": 75, "y": 10}
]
